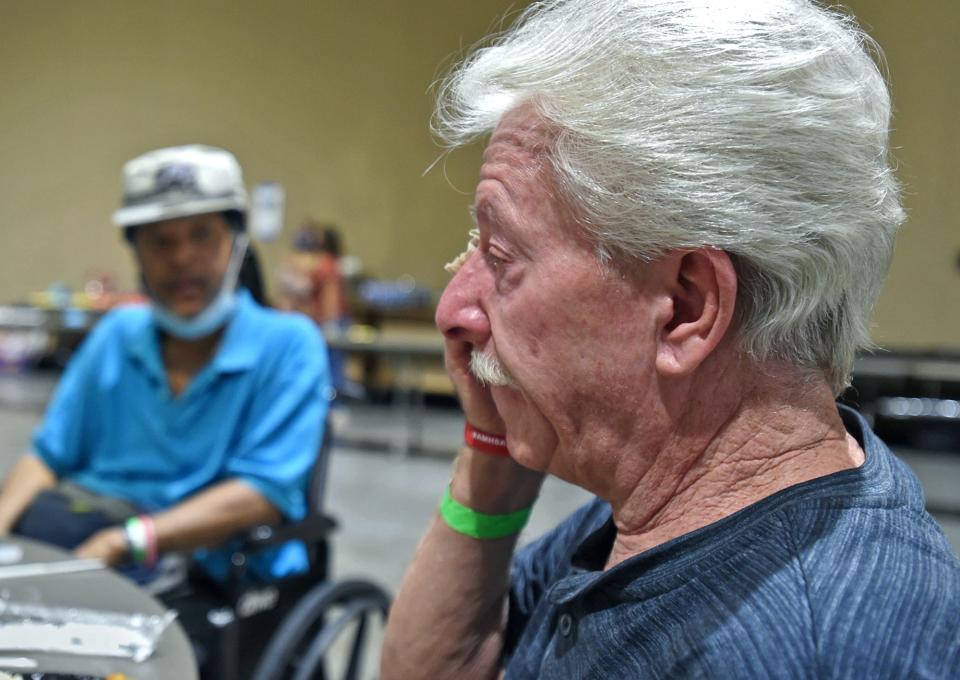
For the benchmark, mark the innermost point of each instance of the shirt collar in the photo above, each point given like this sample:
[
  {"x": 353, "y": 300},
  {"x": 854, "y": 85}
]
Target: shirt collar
[{"x": 236, "y": 352}]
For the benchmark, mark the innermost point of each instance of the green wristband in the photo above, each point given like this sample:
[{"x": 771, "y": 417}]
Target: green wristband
[{"x": 463, "y": 520}]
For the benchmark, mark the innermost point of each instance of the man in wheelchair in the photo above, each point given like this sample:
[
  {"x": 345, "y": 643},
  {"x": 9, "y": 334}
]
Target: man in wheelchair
[{"x": 180, "y": 424}]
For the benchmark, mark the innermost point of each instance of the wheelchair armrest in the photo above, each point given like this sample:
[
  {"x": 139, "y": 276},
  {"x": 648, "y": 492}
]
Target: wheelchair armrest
[{"x": 309, "y": 530}]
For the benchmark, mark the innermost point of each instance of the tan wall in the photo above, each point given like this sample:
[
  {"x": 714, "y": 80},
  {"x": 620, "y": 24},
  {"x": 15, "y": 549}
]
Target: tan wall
[
  {"x": 331, "y": 99},
  {"x": 920, "y": 305}
]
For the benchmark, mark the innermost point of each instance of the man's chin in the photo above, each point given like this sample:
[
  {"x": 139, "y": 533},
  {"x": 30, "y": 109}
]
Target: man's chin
[
  {"x": 525, "y": 453},
  {"x": 525, "y": 457}
]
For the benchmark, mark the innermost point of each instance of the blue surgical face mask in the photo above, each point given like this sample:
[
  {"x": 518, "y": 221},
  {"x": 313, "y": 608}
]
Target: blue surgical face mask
[{"x": 216, "y": 314}]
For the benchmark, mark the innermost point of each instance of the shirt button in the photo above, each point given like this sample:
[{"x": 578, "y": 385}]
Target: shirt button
[{"x": 566, "y": 624}]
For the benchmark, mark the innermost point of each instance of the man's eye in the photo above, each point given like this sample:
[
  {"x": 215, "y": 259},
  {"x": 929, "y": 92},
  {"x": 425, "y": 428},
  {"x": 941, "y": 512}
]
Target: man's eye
[
  {"x": 493, "y": 261},
  {"x": 201, "y": 235}
]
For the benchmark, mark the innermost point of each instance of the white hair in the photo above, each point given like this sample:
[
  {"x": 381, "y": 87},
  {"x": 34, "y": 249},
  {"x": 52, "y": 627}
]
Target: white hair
[{"x": 759, "y": 127}]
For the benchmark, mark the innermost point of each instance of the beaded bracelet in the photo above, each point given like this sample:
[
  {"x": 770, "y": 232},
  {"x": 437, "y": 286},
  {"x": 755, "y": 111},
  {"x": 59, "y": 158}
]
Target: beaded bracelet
[{"x": 141, "y": 537}]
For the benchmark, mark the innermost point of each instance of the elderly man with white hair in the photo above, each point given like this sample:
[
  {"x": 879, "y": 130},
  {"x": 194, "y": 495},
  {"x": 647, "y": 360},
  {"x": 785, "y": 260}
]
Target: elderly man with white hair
[{"x": 684, "y": 216}]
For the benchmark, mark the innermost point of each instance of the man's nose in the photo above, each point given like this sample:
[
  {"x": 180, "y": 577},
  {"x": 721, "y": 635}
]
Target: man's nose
[
  {"x": 460, "y": 314},
  {"x": 181, "y": 253}
]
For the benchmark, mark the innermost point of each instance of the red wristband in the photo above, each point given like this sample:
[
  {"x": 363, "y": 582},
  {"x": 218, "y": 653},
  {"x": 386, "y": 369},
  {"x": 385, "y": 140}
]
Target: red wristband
[
  {"x": 493, "y": 444},
  {"x": 151, "y": 534}
]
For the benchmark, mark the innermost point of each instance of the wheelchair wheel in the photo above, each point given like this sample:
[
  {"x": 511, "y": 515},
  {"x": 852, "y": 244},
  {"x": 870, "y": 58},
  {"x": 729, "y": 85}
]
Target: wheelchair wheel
[{"x": 319, "y": 627}]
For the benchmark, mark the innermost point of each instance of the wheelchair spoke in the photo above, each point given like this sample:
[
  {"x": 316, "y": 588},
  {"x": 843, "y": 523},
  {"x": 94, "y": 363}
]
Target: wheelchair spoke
[
  {"x": 300, "y": 648},
  {"x": 318, "y": 648},
  {"x": 357, "y": 649}
]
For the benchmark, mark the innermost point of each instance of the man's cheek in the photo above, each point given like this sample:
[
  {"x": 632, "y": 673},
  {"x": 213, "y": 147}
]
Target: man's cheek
[{"x": 530, "y": 436}]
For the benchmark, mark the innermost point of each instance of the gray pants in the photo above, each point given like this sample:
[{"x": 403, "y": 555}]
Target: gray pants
[{"x": 69, "y": 514}]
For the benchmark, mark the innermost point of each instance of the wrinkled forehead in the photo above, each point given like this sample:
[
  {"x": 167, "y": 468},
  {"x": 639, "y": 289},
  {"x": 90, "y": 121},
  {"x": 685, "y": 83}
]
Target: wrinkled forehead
[
  {"x": 518, "y": 160},
  {"x": 522, "y": 138}
]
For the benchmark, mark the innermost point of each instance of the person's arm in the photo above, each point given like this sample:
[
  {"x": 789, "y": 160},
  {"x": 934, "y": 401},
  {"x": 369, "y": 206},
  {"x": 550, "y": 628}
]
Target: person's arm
[
  {"x": 449, "y": 617},
  {"x": 327, "y": 279},
  {"x": 207, "y": 518},
  {"x": 28, "y": 477},
  {"x": 59, "y": 444}
]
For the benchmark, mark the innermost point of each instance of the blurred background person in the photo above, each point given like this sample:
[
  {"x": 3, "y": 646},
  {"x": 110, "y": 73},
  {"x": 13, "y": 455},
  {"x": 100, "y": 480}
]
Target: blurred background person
[
  {"x": 181, "y": 423},
  {"x": 311, "y": 282}
]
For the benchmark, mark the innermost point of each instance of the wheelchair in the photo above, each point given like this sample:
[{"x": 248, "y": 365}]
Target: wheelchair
[{"x": 288, "y": 628}]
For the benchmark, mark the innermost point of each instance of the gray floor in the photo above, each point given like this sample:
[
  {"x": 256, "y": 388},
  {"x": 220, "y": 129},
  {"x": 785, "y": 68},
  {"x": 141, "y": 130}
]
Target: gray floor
[{"x": 384, "y": 499}]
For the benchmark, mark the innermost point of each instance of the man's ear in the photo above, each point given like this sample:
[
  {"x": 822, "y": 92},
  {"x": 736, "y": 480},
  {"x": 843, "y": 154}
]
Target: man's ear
[{"x": 702, "y": 287}]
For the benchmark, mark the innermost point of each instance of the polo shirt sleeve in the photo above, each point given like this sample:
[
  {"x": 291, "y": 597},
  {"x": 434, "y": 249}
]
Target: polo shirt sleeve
[
  {"x": 62, "y": 438},
  {"x": 286, "y": 420}
]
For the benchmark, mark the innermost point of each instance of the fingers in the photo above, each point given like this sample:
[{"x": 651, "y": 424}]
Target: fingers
[
  {"x": 475, "y": 399},
  {"x": 107, "y": 545}
]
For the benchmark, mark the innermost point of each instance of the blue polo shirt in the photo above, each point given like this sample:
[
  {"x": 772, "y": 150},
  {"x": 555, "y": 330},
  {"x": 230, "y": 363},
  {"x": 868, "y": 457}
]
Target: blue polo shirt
[{"x": 254, "y": 413}]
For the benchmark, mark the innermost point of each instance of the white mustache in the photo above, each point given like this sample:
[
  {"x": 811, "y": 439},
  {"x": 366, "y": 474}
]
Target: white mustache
[{"x": 488, "y": 370}]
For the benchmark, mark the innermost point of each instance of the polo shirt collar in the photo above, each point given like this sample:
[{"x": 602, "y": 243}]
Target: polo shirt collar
[{"x": 235, "y": 353}]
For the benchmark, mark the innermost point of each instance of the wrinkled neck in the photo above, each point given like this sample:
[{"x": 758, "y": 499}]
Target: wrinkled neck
[{"x": 722, "y": 459}]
